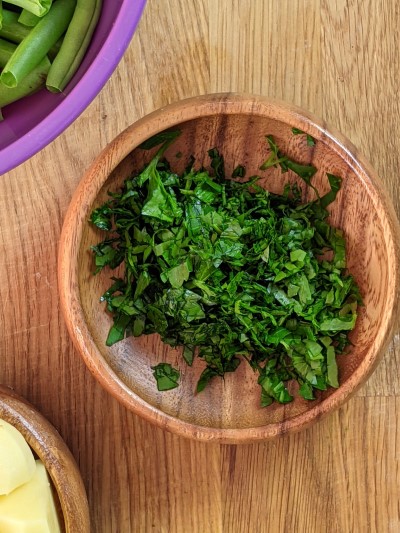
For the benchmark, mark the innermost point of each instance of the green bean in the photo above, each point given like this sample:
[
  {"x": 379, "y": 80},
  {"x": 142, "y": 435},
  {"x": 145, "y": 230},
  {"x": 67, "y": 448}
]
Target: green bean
[
  {"x": 30, "y": 84},
  {"x": 55, "y": 49},
  {"x": 28, "y": 19},
  {"x": 16, "y": 32},
  {"x": 11, "y": 28},
  {"x": 75, "y": 44},
  {"x": 36, "y": 45},
  {"x": 6, "y": 51},
  {"x": 37, "y": 7},
  {"x": 1, "y": 14}
]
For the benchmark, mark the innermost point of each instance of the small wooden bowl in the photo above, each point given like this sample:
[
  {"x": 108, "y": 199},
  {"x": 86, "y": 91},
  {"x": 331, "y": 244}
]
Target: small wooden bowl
[
  {"x": 228, "y": 410},
  {"x": 48, "y": 445}
]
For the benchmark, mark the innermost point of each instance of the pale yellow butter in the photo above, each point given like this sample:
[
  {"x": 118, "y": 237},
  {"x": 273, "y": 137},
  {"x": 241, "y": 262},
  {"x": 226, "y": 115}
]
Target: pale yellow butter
[
  {"x": 30, "y": 508},
  {"x": 17, "y": 464}
]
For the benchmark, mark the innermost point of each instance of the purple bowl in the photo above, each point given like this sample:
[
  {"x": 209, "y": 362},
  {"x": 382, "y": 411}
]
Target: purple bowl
[{"x": 30, "y": 124}]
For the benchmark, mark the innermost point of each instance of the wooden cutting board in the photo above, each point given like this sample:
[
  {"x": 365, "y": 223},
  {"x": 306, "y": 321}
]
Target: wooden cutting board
[{"x": 341, "y": 61}]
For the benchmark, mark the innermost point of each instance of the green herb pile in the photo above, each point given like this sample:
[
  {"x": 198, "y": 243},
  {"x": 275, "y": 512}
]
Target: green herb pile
[{"x": 229, "y": 271}]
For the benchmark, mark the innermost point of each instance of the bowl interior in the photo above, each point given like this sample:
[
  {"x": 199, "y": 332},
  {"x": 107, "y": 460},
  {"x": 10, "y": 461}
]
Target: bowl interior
[
  {"x": 234, "y": 402},
  {"x": 51, "y": 113}
]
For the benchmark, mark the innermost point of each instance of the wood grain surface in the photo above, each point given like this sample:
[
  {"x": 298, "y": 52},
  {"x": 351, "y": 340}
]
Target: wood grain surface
[{"x": 340, "y": 60}]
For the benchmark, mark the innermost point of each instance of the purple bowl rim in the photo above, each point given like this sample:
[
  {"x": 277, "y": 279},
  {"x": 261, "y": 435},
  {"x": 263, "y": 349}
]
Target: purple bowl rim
[{"x": 79, "y": 98}]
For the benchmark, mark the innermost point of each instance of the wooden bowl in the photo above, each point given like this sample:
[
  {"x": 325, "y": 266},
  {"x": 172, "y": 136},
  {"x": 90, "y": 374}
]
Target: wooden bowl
[
  {"x": 228, "y": 410},
  {"x": 48, "y": 445}
]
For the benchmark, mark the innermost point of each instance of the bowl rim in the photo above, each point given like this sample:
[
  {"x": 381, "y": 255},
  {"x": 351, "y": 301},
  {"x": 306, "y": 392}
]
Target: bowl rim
[
  {"x": 76, "y": 101},
  {"x": 77, "y": 216},
  {"x": 49, "y": 446}
]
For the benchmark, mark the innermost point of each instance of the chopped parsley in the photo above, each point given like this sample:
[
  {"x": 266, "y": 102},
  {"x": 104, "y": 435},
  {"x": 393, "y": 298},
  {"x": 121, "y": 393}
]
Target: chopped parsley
[{"x": 229, "y": 272}]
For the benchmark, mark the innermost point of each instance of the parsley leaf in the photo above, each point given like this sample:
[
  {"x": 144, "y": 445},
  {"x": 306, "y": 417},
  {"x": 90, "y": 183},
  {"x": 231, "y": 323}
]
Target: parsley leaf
[
  {"x": 310, "y": 139},
  {"x": 166, "y": 376}
]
